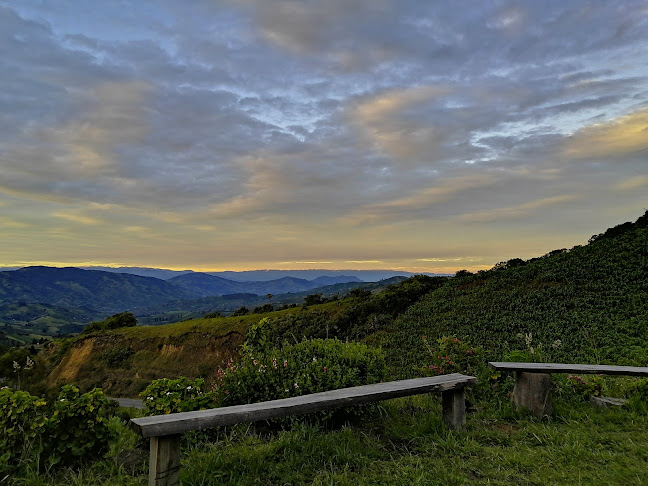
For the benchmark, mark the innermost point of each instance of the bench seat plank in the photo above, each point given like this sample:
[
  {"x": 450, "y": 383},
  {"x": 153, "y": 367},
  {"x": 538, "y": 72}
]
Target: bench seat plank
[
  {"x": 177, "y": 423},
  {"x": 569, "y": 368}
]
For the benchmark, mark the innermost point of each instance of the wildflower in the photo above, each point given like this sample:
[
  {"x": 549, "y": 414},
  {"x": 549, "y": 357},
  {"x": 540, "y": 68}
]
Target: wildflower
[
  {"x": 16, "y": 366},
  {"x": 285, "y": 363},
  {"x": 424, "y": 338},
  {"x": 189, "y": 387},
  {"x": 168, "y": 393},
  {"x": 296, "y": 385},
  {"x": 557, "y": 343},
  {"x": 325, "y": 368},
  {"x": 528, "y": 339},
  {"x": 226, "y": 392},
  {"x": 314, "y": 360},
  {"x": 470, "y": 351}
]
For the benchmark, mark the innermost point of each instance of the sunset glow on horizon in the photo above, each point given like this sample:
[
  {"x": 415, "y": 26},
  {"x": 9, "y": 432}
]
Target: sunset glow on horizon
[{"x": 292, "y": 134}]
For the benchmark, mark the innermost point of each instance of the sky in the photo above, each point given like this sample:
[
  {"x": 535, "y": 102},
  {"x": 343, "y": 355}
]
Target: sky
[{"x": 338, "y": 134}]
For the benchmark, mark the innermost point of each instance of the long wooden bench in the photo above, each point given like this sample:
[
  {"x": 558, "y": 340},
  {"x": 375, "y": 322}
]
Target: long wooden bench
[
  {"x": 165, "y": 431},
  {"x": 533, "y": 380}
]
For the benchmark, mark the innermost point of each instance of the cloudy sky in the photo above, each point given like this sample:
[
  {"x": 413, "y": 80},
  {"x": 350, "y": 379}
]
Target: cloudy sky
[{"x": 243, "y": 134}]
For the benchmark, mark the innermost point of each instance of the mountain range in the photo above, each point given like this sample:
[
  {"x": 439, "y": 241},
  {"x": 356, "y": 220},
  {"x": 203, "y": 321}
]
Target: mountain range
[
  {"x": 38, "y": 301},
  {"x": 257, "y": 275}
]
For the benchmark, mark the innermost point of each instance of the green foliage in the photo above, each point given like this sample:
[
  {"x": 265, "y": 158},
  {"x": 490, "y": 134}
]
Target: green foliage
[
  {"x": 307, "y": 367},
  {"x": 314, "y": 299},
  {"x": 262, "y": 309},
  {"x": 77, "y": 426},
  {"x": 241, "y": 311},
  {"x": 72, "y": 429},
  {"x": 452, "y": 355},
  {"x": 256, "y": 338},
  {"x": 353, "y": 318},
  {"x": 123, "y": 319},
  {"x": 587, "y": 387},
  {"x": 176, "y": 395},
  {"x": 22, "y": 421}
]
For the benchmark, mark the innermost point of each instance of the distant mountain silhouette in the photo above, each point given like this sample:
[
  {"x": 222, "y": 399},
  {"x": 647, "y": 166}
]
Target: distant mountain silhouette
[{"x": 73, "y": 287}]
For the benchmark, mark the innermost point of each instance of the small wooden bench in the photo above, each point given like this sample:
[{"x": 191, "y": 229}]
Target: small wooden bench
[
  {"x": 165, "y": 431},
  {"x": 533, "y": 380}
]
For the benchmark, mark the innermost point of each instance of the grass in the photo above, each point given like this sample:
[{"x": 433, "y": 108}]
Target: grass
[{"x": 406, "y": 443}]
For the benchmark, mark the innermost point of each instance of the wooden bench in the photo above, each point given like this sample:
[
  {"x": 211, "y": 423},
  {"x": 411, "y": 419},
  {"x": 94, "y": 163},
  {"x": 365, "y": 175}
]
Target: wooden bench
[
  {"x": 165, "y": 431},
  {"x": 533, "y": 380}
]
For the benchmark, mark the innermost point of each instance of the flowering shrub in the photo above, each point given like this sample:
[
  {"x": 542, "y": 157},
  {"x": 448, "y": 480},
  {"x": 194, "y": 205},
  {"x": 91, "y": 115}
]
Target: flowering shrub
[
  {"x": 308, "y": 367},
  {"x": 179, "y": 395},
  {"x": 72, "y": 429},
  {"x": 451, "y": 355},
  {"x": 590, "y": 386},
  {"x": 267, "y": 374}
]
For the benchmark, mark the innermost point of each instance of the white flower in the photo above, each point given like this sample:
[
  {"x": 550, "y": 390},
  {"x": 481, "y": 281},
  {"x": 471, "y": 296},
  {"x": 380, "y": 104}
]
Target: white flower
[
  {"x": 314, "y": 360},
  {"x": 189, "y": 387},
  {"x": 528, "y": 338},
  {"x": 168, "y": 393}
]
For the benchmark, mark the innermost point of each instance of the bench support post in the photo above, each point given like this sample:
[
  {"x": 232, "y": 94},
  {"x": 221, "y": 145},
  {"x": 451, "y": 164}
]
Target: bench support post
[
  {"x": 164, "y": 462},
  {"x": 454, "y": 408},
  {"x": 533, "y": 392}
]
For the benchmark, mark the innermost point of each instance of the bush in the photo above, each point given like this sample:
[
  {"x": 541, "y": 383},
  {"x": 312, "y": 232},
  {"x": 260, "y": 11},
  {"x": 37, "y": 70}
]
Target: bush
[
  {"x": 77, "y": 426},
  {"x": 124, "y": 319},
  {"x": 72, "y": 429},
  {"x": 176, "y": 395},
  {"x": 22, "y": 420},
  {"x": 451, "y": 355},
  {"x": 299, "y": 369},
  {"x": 293, "y": 370}
]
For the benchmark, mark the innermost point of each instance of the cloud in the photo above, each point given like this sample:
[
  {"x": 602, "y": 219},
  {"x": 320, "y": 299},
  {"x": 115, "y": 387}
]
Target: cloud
[
  {"x": 618, "y": 137},
  {"x": 632, "y": 183},
  {"x": 76, "y": 217},
  {"x": 517, "y": 212}
]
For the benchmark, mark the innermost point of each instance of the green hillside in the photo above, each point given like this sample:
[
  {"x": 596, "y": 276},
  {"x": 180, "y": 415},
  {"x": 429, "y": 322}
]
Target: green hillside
[{"x": 590, "y": 302}]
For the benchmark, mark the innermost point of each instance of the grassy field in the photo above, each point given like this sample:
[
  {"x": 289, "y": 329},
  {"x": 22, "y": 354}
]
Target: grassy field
[{"x": 407, "y": 443}]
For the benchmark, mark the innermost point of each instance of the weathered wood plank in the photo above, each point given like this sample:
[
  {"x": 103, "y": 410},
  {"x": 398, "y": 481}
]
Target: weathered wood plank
[
  {"x": 177, "y": 423},
  {"x": 569, "y": 368},
  {"x": 164, "y": 462}
]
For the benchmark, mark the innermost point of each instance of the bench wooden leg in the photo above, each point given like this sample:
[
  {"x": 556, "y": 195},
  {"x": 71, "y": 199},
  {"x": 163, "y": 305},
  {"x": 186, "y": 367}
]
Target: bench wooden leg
[
  {"x": 533, "y": 392},
  {"x": 454, "y": 408},
  {"x": 164, "y": 462}
]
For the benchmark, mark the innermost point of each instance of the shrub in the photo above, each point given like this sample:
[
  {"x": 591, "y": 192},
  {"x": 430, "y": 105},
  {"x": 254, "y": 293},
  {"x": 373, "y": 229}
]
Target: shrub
[
  {"x": 72, "y": 429},
  {"x": 77, "y": 426},
  {"x": 22, "y": 419},
  {"x": 307, "y": 367},
  {"x": 451, "y": 355},
  {"x": 587, "y": 387},
  {"x": 176, "y": 395},
  {"x": 123, "y": 319}
]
